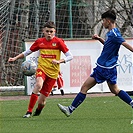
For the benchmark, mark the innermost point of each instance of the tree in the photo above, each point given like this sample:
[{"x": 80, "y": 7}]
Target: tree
[{"x": 86, "y": 17}]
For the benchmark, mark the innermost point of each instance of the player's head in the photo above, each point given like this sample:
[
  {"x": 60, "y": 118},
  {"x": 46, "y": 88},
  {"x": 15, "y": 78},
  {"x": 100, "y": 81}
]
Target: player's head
[
  {"x": 108, "y": 17},
  {"x": 49, "y": 24},
  {"x": 49, "y": 30}
]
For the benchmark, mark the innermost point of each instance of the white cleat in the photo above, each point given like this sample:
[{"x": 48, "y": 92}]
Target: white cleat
[
  {"x": 64, "y": 109},
  {"x": 131, "y": 121},
  {"x": 27, "y": 115}
]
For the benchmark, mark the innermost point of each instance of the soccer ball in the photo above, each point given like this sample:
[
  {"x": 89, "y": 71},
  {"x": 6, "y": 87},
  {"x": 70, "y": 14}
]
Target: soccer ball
[{"x": 28, "y": 68}]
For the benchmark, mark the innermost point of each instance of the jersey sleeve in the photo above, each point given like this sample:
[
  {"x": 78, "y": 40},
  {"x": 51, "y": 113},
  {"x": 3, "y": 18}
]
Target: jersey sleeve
[
  {"x": 63, "y": 46},
  {"x": 34, "y": 47},
  {"x": 117, "y": 38}
]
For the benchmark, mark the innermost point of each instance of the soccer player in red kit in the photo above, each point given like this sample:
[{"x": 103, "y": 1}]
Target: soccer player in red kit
[
  {"x": 50, "y": 48},
  {"x": 59, "y": 84}
]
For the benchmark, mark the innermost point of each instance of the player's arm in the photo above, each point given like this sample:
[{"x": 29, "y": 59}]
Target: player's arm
[
  {"x": 33, "y": 48},
  {"x": 20, "y": 56},
  {"x": 129, "y": 47},
  {"x": 68, "y": 57},
  {"x": 96, "y": 37}
]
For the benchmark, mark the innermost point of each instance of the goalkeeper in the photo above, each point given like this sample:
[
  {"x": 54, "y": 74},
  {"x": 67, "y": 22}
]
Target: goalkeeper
[
  {"x": 49, "y": 61},
  {"x": 106, "y": 65}
]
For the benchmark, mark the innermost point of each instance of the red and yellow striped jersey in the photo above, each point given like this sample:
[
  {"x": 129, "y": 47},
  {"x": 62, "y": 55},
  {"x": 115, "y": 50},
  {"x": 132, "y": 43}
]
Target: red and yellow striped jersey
[{"x": 49, "y": 50}]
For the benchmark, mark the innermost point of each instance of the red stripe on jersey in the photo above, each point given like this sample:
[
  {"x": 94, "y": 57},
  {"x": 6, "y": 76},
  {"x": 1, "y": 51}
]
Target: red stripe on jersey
[{"x": 48, "y": 56}]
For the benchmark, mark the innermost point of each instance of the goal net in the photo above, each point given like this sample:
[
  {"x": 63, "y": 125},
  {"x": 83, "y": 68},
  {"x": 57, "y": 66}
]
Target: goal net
[{"x": 20, "y": 20}]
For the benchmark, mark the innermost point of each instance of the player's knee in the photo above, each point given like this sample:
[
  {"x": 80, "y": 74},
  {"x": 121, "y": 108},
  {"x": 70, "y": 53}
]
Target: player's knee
[
  {"x": 42, "y": 102},
  {"x": 38, "y": 86},
  {"x": 84, "y": 90},
  {"x": 115, "y": 91}
]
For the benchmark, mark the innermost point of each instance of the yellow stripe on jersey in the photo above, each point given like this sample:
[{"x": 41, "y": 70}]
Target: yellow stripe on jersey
[
  {"x": 49, "y": 50},
  {"x": 45, "y": 62}
]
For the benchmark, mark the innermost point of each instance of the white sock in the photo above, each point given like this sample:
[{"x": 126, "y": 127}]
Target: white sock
[{"x": 131, "y": 103}]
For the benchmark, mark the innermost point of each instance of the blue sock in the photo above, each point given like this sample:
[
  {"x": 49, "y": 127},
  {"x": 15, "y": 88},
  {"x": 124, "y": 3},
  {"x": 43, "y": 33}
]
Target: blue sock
[
  {"x": 77, "y": 101},
  {"x": 124, "y": 96}
]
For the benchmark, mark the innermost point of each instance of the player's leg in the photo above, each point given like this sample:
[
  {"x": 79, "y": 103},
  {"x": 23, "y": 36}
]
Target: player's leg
[
  {"x": 34, "y": 96},
  {"x": 41, "y": 104},
  {"x": 40, "y": 77},
  {"x": 121, "y": 94},
  {"x": 62, "y": 91},
  {"x": 54, "y": 88},
  {"x": 44, "y": 93},
  {"x": 114, "y": 88},
  {"x": 88, "y": 84},
  {"x": 60, "y": 83}
]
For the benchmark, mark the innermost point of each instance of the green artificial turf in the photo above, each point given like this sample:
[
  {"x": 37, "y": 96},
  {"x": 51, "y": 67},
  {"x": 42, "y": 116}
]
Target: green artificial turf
[{"x": 94, "y": 115}]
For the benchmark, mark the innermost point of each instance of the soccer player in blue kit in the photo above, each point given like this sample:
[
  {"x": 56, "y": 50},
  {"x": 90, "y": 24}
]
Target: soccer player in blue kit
[{"x": 106, "y": 65}]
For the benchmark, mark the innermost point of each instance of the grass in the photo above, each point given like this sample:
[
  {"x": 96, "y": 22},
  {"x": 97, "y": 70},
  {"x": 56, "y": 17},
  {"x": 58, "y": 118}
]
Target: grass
[{"x": 95, "y": 115}]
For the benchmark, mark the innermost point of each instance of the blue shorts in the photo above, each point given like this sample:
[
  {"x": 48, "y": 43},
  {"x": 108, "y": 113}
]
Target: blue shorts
[{"x": 103, "y": 74}]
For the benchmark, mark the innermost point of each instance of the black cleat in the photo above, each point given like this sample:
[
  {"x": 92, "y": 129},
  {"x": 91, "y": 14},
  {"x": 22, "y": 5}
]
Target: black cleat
[
  {"x": 62, "y": 92},
  {"x": 37, "y": 112}
]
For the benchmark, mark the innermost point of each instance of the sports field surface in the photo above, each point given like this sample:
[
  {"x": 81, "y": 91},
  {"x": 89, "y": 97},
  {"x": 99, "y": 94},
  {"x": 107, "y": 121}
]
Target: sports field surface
[{"x": 98, "y": 114}]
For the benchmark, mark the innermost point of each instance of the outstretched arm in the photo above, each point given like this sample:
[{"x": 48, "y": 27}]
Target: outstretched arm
[
  {"x": 129, "y": 47},
  {"x": 20, "y": 56},
  {"x": 96, "y": 37},
  {"x": 11, "y": 59}
]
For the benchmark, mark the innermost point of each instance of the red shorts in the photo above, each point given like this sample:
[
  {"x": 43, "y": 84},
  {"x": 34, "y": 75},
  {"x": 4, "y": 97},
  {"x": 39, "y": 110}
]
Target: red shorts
[{"x": 47, "y": 84}]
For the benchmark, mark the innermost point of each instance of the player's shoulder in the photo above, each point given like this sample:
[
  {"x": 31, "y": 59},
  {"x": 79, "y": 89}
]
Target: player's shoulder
[
  {"x": 40, "y": 39},
  {"x": 115, "y": 32},
  {"x": 58, "y": 39}
]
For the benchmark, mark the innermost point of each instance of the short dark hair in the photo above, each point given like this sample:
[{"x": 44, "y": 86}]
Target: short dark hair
[
  {"x": 109, "y": 14},
  {"x": 49, "y": 24}
]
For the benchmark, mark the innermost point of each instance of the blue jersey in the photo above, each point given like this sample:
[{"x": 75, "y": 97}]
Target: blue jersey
[{"x": 109, "y": 56}]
